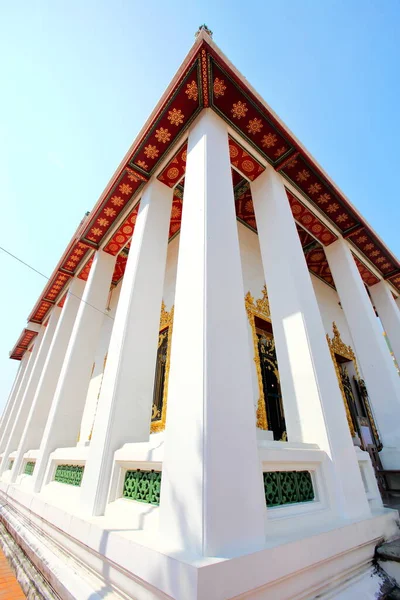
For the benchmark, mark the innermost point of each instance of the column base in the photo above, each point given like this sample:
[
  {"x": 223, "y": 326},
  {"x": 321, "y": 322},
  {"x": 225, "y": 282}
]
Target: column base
[{"x": 128, "y": 562}]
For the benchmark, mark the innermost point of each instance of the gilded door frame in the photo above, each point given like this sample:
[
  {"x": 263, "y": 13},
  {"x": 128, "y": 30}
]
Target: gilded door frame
[
  {"x": 166, "y": 323},
  {"x": 258, "y": 308},
  {"x": 338, "y": 347}
]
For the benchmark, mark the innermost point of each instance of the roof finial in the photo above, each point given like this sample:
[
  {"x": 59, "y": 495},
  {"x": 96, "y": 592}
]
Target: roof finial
[{"x": 203, "y": 28}]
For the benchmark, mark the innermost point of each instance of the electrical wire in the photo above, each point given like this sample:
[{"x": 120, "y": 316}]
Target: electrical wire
[{"x": 48, "y": 279}]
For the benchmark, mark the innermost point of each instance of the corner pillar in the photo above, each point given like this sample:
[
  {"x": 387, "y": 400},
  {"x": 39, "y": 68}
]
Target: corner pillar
[
  {"x": 62, "y": 426},
  {"x": 211, "y": 464},
  {"x": 46, "y": 334},
  {"x": 389, "y": 314},
  {"x": 314, "y": 409},
  {"x": 35, "y": 424},
  {"x": 14, "y": 391},
  {"x": 376, "y": 364},
  {"x": 124, "y": 409}
]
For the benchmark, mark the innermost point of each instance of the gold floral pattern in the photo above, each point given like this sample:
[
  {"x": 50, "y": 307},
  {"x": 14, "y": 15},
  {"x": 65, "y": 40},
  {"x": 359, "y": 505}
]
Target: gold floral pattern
[
  {"x": 103, "y": 223},
  {"x": 117, "y": 201},
  {"x": 219, "y": 87},
  {"x": 163, "y": 135},
  {"x": 175, "y": 116},
  {"x": 280, "y": 151},
  {"x": 314, "y": 188},
  {"x": 96, "y": 231},
  {"x": 254, "y": 126},
  {"x": 323, "y": 198},
  {"x": 142, "y": 164},
  {"x": 291, "y": 163},
  {"x": 269, "y": 140},
  {"x": 342, "y": 218},
  {"x": 151, "y": 151},
  {"x": 192, "y": 91},
  {"x": 331, "y": 208},
  {"x": 239, "y": 110},
  {"x": 110, "y": 212},
  {"x": 125, "y": 188},
  {"x": 303, "y": 175}
]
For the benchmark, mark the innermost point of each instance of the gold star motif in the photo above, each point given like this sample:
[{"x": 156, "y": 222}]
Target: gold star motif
[
  {"x": 280, "y": 151},
  {"x": 102, "y": 222},
  {"x": 151, "y": 151},
  {"x": 239, "y": 110},
  {"x": 96, "y": 231},
  {"x": 269, "y": 140},
  {"x": 368, "y": 246},
  {"x": 163, "y": 135},
  {"x": 117, "y": 201},
  {"x": 141, "y": 163},
  {"x": 110, "y": 212},
  {"x": 314, "y": 188},
  {"x": 219, "y": 87},
  {"x": 331, "y": 208},
  {"x": 379, "y": 260},
  {"x": 361, "y": 239},
  {"x": 125, "y": 188},
  {"x": 303, "y": 175},
  {"x": 132, "y": 177},
  {"x": 291, "y": 163},
  {"x": 175, "y": 117},
  {"x": 323, "y": 198},
  {"x": 342, "y": 218},
  {"x": 192, "y": 91},
  {"x": 254, "y": 126},
  {"x": 375, "y": 253}
]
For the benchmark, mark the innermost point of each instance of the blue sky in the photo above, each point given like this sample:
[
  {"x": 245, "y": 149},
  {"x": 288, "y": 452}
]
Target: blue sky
[{"x": 79, "y": 79}]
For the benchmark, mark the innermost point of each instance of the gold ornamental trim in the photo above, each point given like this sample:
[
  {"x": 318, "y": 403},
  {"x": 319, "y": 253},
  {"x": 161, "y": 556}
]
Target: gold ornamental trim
[
  {"x": 166, "y": 323},
  {"x": 258, "y": 308}
]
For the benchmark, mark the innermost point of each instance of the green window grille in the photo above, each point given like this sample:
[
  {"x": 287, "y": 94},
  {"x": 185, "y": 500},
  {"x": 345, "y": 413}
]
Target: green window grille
[
  {"x": 288, "y": 487},
  {"x": 29, "y": 468},
  {"x": 70, "y": 474},
  {"x": 10, "y": 464},
  {"x": 143, "y": 486}
]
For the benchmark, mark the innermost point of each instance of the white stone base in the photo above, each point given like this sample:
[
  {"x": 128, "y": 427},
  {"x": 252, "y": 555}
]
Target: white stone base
[{"x": 82, "y": 558}]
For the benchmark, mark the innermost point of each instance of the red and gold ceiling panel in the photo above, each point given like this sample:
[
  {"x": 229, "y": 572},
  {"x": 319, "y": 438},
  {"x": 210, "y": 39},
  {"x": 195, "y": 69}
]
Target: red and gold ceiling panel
[
  {"x": 245, "y": 115},
  {"x": 124, "y": 190},
  {"x": 40, "y": 311},
  {"x": 395, "y": 280},
  {"x": 122, "y": 236},
  {"x": 243, "y": 161},
  {"x": 305, "y": 178},
  {"x": 84, "y": 274},
  {"x": 21, "y": 346},
  {"x": 317, "y": 264},
  {"x": 62, "y": 301},
  {"x": 75, "y": 257},
  {"x": 367, "y": 276},
  {"x": 310, "y": 221},
  {"x": 368, "y": 246},
  {"x": 245, "y": 209},
  {"x": 175, "y": 116},
  {"x": 56, "y": 286},
  {"x": 176, "y": 214},
  {"x": 175, "y": 170},
  {"x": 305, "y": 238}
]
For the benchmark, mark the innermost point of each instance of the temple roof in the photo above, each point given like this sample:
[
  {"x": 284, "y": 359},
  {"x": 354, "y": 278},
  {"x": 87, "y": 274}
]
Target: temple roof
[{"x": 207, "y": 79}]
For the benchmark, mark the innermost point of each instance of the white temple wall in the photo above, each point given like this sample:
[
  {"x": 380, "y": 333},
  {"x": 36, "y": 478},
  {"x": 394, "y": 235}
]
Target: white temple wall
[{"x": 331, "y": 311}]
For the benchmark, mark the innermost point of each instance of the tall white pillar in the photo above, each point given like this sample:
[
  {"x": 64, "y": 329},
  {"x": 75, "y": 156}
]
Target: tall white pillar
[
  {"x": 62, "y": 426},
  {"x": 36, "y": 421},
  {"x": 389, "y": 314},
  {"x": 314, "y": 409},
  {"x": 31, "y": 354},
  {"x": 31, "y": 386},
  {"x": 206, "y": 508},
  {"x": 14, "y": 391},
  {"x": 382, "y": 381},
  {"x": 124, "y": 410}
]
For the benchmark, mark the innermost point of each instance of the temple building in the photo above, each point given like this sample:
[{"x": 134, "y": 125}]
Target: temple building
[{"x": 204, "y": 391}]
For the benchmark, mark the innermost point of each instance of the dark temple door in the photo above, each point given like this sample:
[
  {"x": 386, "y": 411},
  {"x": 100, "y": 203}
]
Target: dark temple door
[{"x": 271, "y": 386}]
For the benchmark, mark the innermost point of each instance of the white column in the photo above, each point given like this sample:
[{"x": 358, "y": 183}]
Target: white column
[
  {"x": 62, "y": 426},
  {"x": 375, "y": 361},
  {"x": 14, "y": 391},
  {"x": 31, "y": 386},
  {"x": 212, "y": 499},
  {"x": 314, "y": 409},
  {"x": 398, "y": 302},
  {"x": 124, "y": 410},
  {"x": 389, "y": 314},
  {"x": 35, "y": 424}
]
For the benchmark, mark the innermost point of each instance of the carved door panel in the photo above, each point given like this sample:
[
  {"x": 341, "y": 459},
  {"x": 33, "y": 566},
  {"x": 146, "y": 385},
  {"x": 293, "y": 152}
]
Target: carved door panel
[
  {"x": 367, "y": 420},
  {"x": 271, "y": 386},
  {"x": 351, "y": 402},
  {"x": 159, "y": 379}
]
